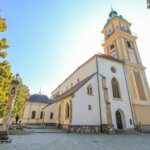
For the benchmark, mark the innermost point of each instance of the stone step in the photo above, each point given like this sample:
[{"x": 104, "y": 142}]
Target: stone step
[
  {"x": 126, "y": 131},
  {"x": 40, "y": 127}
]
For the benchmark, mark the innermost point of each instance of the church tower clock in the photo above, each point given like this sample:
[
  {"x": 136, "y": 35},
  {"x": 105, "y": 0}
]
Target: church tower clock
[{"x": 120, "y": 42}]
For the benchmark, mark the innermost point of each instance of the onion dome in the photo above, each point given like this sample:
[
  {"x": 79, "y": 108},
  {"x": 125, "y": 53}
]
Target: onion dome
[{"x": 113, "y": 13}]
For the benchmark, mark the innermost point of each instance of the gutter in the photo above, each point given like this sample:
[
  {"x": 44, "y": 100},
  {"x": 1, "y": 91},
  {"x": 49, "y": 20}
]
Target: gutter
[
  {"x": 129, "y": 96},
  {"x": 99, "y": 97}
]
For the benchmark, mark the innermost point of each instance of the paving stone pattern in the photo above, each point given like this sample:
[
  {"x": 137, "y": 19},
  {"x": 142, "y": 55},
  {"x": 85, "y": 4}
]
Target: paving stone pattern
[{"x": 71, "y": 141}]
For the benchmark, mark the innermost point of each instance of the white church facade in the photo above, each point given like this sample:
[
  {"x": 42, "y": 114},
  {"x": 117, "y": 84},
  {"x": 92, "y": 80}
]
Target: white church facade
[
  {"x": 109, "y": 91},
  {"x": 98, "y": 98}
]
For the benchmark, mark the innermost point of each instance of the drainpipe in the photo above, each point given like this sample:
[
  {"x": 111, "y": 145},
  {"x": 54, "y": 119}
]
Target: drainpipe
[
  {"x": 99, "y": 97},
  {"x": 70, "y": 115},
  {"x": 129, "y": 96},
  {"x": 43, "y": 115}
]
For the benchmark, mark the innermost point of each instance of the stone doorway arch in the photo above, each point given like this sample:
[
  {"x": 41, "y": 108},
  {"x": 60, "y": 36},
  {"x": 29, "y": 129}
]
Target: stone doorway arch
[{"x": 120, "y": 119}]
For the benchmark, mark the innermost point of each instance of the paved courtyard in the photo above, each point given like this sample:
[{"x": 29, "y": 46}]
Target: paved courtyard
[{"x": 64, "y": 141}]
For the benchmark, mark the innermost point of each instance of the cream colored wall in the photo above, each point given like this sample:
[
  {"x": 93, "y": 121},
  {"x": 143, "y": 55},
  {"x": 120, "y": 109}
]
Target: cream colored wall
[
  {"x": 62, "y": 119},
  {"x": 81, "y": 73},
  {"x": 137, "y": 52},
  {"x": 48, "y": 110},
  {"x": 54, "y": 108},
  {"x": 121, "y": 37},
  {"x": 132, "y": 84},
  {"x": 33, "y": 106},
  {"x": 140, "y": 107},
  {"x": 142, "y": 114}
]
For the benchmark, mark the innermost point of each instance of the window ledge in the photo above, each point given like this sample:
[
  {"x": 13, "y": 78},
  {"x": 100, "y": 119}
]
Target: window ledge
[{"x": 118, "y": 99}]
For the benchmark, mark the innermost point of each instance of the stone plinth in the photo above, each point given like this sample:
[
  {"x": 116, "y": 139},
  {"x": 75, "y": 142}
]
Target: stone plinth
[{"x": 4, "y": 137}]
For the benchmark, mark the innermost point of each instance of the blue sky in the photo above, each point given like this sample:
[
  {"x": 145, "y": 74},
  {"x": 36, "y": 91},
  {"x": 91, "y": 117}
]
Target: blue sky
[{"x": 49, "y": 39}]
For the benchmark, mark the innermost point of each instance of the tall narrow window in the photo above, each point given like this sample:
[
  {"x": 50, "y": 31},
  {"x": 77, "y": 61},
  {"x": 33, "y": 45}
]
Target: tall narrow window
[
  {"x": 67, "y": 110},
  {"x": 129, "y": 44},
  {"x": 33, "y": 115},
  {"x": 89, "y": 107},
  {"x": 112, "y": 46},
  {"x": 115, "y": 88},
  {"x": 51, "y": 115},
  {"x": 41, "y": 116},
  {"x": 89, "y": 90}
]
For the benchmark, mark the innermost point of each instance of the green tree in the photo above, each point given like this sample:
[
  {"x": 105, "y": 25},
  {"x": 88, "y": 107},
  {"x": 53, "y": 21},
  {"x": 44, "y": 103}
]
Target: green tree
[
  {"x": 5, "y": 72},
  {"x": 22, "y": 95}
]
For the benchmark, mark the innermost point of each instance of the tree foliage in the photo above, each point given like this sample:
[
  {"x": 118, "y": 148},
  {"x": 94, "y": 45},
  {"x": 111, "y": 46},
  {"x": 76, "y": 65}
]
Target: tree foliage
[
  {"x": 5, "y": 72},
  {"x": 3, "y": 25},
  {"x": 22, "y": 95},
  {"x": 5, "y": 80}
]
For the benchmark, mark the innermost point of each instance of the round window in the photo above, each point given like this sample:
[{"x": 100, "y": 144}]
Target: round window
[{"x": 113, "y": 69}]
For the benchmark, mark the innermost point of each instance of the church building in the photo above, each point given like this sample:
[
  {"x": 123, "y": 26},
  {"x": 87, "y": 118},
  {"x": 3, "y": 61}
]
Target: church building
[{"x": 109, "y": 91}]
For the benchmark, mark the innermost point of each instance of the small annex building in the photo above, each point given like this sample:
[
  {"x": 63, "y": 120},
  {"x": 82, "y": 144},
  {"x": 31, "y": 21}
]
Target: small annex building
[{"x": 33, "y": 113}]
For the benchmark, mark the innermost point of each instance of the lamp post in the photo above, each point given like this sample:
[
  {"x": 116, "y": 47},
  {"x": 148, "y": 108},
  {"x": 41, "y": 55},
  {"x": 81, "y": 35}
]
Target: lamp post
[{"x": 7, "y": 114}]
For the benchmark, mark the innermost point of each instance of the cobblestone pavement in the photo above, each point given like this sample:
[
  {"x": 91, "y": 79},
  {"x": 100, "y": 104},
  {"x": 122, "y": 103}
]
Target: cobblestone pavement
[{"x": 70, "y": 141}]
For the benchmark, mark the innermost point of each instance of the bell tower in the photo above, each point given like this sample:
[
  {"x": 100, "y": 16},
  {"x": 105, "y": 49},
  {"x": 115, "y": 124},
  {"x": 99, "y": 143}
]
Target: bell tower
[{"x": 120, "y": 42}]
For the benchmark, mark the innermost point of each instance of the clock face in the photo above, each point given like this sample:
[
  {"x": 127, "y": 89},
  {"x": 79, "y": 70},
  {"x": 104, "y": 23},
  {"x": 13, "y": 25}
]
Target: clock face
[
  {"x": 109, "y": 31},
  {"x": 123, "y": 26}
]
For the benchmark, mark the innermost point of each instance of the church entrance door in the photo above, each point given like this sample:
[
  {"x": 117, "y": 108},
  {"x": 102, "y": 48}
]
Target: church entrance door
[{"x": 119, "y": 120}]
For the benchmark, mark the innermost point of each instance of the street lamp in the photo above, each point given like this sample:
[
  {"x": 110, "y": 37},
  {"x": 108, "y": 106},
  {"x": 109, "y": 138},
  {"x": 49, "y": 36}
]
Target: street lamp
[{"x": 7, "y": 114}]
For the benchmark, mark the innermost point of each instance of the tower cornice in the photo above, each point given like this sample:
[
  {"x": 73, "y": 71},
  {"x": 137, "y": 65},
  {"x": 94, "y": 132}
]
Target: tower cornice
[
  {"x": 138, "y": 66},
  {"x": 116, "y": 34}
]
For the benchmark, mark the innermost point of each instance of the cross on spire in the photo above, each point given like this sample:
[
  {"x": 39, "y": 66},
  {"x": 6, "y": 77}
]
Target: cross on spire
[
  {"x": 111, "y": 8},
  {"x": 40, "y": 91}
]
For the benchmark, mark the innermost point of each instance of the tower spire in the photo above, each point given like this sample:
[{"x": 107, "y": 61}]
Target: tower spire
[
  {"x": 40, "y": 91},
  {"x": 111, "y": 7}
]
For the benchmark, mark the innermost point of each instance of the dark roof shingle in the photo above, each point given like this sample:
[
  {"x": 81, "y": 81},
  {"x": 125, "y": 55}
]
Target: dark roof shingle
[
  {"x": 109, "y": 57},
  {"x": 39, "y": 98}
]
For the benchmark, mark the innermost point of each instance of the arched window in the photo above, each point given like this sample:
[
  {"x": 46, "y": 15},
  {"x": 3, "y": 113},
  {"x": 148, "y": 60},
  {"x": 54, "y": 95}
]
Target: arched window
[
  {"x": 89, "y": 90},
  {"x": 67, "y": 110},
  {"x": 115, "y": 88}
]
